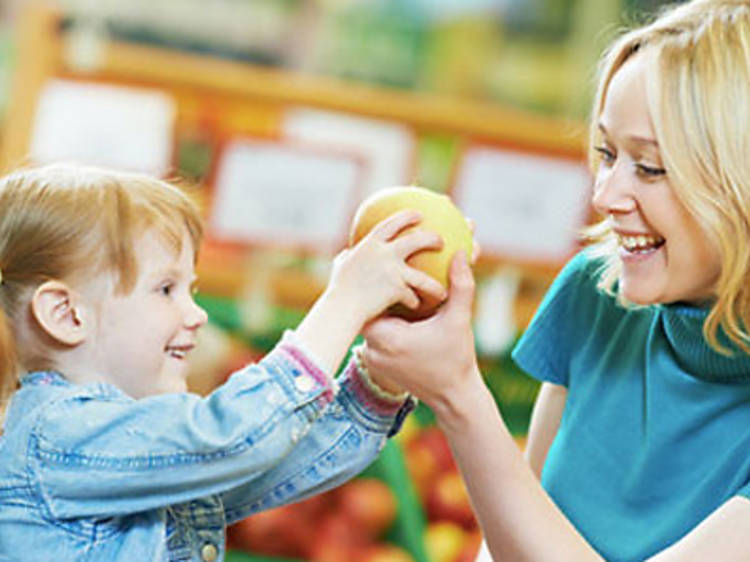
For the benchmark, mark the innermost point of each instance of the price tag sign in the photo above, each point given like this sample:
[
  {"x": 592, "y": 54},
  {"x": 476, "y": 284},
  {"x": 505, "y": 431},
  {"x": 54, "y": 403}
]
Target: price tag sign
[
  {"x": 278, "y": 193},
  {"x": 525, "y": 206},
  {"x": 114, "y": 126}
]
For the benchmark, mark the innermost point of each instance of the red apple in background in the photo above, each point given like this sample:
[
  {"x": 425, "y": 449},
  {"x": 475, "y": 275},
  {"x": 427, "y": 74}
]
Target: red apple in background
[
  {"x": 329, "y": 551},
  {"x": 275, "y": 532},
  {"x": 314, "y": 508},
  {"x": 448, "y": 500},
  {"x": 336, "y": 539},
  {"x": 427, "y": 455},
  {"x": 368, "y": 503},
  {"x": 439, "y": 214},
  {"x": 384, "y": 552}
]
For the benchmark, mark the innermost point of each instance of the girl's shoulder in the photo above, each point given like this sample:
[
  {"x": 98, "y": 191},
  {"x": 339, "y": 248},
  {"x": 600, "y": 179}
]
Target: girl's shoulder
[{"x": 46, "y": 400}]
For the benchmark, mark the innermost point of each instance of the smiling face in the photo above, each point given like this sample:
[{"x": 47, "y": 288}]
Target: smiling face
[
  {"x": 665, "y": 254},
  {"x": 142, "y": 338}
]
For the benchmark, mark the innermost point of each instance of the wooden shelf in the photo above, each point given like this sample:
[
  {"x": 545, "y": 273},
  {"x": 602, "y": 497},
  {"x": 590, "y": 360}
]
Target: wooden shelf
[{"x": 256, "y": 97}]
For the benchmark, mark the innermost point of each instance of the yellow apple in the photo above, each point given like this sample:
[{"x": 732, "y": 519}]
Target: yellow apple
[
  {"x": 444, "y": 540},
  {"x": 439, "y": 215}
]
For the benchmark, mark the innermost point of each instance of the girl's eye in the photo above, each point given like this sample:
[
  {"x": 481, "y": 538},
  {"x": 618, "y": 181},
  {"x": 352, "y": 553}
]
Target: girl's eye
[
  {"x": 607, "y": 155},
  {"x": 650, "y": 171},
  {"x": 166, "y": 289}
]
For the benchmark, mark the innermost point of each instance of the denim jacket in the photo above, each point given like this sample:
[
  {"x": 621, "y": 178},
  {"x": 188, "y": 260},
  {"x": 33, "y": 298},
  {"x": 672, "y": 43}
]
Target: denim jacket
[{"x": 90, "y": 474}]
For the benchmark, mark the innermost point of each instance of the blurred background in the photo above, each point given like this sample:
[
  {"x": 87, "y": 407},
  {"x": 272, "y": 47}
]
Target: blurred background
[{"x": 281, "y": 116}]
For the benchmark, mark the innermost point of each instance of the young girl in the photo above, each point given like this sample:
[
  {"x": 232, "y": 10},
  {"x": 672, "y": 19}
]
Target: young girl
[
  {"x": 104, "y": 454},
  {"x": 639, "y": 444}
]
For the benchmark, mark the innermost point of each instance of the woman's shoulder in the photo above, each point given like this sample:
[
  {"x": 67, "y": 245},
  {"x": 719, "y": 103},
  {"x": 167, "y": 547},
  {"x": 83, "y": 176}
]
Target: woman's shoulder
[
  {"x": 586, "y": 265},
  {"x": 579, "y": 279}
]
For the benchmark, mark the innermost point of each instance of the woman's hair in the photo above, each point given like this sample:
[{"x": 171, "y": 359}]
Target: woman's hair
[
  {"x": 699, "y": 99},
  {"x": 68, "y": 223}
]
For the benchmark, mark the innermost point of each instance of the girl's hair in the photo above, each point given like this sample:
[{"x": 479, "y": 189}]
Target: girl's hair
[
  {"x": 68, "y": 223},
  {"x": 699, "y": 99}
]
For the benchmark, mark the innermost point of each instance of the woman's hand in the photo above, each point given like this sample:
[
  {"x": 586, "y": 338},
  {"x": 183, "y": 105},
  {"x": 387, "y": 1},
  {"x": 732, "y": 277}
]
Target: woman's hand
[{"x": 434, "y": 359}]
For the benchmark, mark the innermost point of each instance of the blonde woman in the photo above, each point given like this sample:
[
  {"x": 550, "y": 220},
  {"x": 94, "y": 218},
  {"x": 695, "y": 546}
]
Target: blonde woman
[{"x": 639, "y": 444}]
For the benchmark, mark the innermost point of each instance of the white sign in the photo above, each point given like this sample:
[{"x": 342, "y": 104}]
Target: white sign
[
  {"x": 524, "y": 206},
  {"x": 119, "y": 127},
  {"x": 285, "y": 194},
  {"x": 387, "y": 147}
]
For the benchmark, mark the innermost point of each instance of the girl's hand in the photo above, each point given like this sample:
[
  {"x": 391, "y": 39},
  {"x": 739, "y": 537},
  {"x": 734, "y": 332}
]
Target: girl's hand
[
  {"x": 433, "y": 359},
  {"x": 374, "y": 275}
]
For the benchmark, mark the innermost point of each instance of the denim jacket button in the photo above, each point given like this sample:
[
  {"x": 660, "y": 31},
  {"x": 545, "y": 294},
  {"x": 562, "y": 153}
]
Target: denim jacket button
[
  {"x": 209, "y": 552},
  {"x": 304, "y": 383}
]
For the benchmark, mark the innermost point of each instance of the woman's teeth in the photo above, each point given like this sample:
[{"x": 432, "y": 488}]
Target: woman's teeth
[{"x": 641, "y": 243}]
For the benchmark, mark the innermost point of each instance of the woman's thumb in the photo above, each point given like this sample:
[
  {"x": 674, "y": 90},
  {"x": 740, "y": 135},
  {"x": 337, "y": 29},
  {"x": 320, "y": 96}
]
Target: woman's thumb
[{"x": 461, "y": 292}]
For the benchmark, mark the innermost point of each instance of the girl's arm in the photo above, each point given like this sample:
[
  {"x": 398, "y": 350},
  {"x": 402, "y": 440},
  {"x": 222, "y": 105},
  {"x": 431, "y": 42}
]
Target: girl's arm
[
  {"x": 96, "y": 452},
  {"x": 342, "y": 443}
]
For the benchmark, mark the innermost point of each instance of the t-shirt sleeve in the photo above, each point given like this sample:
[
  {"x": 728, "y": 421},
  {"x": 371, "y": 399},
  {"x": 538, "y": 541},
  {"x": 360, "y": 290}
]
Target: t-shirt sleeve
[{"x": 544, "y": 349}]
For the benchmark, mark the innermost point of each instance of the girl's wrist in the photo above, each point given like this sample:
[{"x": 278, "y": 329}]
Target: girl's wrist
[{"x": 344, "y": 301}]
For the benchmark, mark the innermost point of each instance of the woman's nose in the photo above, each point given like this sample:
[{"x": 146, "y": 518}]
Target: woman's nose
[{"x": 613, "y": 193}]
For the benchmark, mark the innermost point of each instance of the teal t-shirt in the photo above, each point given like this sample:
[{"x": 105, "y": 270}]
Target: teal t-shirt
[{"x": 656, "y": 429}]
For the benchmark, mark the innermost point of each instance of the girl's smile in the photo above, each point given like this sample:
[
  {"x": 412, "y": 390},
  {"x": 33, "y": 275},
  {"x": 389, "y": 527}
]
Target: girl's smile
[{"x": 143, "y": 338}]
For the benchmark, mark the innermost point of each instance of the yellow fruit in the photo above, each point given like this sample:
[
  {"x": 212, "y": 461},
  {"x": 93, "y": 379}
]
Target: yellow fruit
[{"x": 439, "y": 215}]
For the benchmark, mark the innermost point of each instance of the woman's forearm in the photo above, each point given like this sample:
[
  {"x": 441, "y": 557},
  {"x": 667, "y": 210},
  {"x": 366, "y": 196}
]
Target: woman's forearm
[{"x": 518, "y": 518}]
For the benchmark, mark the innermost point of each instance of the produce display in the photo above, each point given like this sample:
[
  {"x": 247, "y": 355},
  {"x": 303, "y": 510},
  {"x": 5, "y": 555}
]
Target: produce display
[{"x": 410, "y": 505}]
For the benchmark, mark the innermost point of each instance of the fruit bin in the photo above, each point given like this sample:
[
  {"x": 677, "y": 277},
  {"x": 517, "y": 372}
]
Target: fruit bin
[
  {"x": 407, "y": 528},
  {"x": 424, "y": 526},
  {"x": 433, "y": 520}
]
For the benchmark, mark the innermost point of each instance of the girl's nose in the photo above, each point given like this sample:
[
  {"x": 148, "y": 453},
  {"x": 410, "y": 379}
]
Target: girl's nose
[{"x": 196, "y": 316}]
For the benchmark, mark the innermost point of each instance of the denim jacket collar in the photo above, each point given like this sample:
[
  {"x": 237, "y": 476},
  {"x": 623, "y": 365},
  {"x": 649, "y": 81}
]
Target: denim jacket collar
[{"x": 54, "y": 378}]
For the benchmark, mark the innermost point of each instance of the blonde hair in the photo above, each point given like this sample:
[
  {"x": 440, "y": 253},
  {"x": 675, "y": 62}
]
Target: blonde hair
[
  {"x": 699, "y": 99},
  {"x": 68, "y": 222}
]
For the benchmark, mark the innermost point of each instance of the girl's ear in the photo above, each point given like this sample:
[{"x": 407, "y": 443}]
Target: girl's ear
[{"x": 56, "y": 308}]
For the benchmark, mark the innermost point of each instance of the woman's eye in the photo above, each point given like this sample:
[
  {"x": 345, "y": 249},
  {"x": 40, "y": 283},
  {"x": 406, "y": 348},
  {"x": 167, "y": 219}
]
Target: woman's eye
[
  {"x": 650, "y": 171},
  {"x": 166, "y": 289},
  {"x": 606, "y": 154}
]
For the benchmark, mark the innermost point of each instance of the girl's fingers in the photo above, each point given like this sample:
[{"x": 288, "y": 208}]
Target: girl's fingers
[
  {"x": 390, "y": 227},
  {"x": 410, "y": 299},
  {"x": 424, "y": 283},
  {"x": 416, "y": 241}
]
